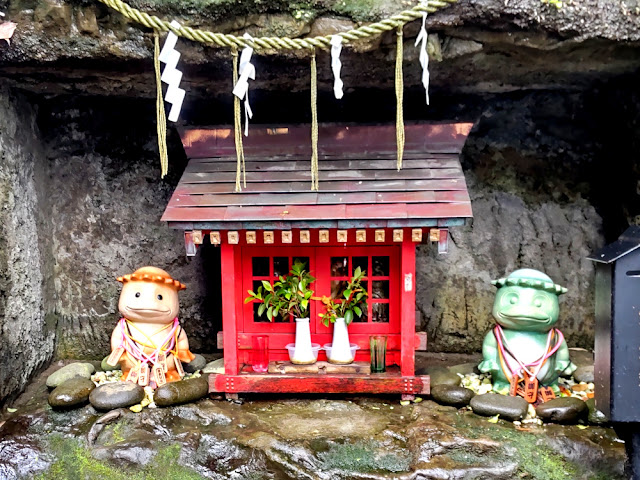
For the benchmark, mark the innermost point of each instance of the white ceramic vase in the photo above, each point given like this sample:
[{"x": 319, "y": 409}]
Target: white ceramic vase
[
  {"x": 303, "y": 354},
  {"x": 340, "y": 347}
]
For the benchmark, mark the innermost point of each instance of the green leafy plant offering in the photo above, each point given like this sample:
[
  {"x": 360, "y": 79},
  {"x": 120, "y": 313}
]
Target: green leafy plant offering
[
  {"x": 288, "y": 295},
  {"x": 355, "y": 298}
]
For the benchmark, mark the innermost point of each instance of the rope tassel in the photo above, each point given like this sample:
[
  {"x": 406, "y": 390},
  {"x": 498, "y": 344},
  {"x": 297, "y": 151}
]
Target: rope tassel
[
  {"x": 314, "y": 122},
  {"x": 161, "y": 118},
  {"x": 399, "y": 99},
  {"x": 237, "y": 124}
]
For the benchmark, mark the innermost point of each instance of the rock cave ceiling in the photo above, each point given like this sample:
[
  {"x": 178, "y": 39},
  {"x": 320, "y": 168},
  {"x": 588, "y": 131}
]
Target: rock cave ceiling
[{"x": 478, "y": 46}]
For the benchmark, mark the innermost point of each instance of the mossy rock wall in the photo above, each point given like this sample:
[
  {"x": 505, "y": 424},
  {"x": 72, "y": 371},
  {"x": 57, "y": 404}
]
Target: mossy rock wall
[{"x": 27, "y": 314}]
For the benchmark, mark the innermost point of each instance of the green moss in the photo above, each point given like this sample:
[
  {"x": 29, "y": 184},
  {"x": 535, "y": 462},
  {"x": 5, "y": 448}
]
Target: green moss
[
  {"x": 306, "y": 10},
  {"x": 536, "y": 460},
  {"x": 467, "y": 458},
  {"x": 213, "y": 9},
  {"x": 51, "y": 321},
  {"x": 165, "y": 466},
  {"x": 115, "y": 430},
  {"x": 74, "y": 462},
  {"x": 363, "y": 456},
  {"x": 358, "y": 10}
]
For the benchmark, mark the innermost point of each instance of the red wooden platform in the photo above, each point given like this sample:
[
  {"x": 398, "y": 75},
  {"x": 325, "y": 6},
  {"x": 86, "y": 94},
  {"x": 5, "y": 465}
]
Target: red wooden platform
[{"x": 390, "y": 382}]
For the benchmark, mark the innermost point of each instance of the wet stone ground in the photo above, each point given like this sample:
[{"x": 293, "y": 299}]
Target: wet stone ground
[{"x": 284, "y": 438}]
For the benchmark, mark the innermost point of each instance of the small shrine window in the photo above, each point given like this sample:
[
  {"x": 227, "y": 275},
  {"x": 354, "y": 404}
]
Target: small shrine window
[
  {"x": 268, "y": 264},
  {"x": 376, "y": 283},
  {"x": 332, "y": 267},
  {"x": 336, "y": 265},
  {"x": 270, "y": 268}
]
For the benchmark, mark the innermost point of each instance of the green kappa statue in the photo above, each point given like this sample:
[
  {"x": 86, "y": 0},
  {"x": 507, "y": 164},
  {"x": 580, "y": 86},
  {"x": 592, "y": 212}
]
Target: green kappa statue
[{"x": 524, "y": 352}]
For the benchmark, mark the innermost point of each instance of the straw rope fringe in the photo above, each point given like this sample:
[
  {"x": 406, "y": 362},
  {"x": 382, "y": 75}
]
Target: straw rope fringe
[
  {"x": 278, "y": 43},
  {"x": 314, "y": 122},
  {"x": 399, "y": 100},
  {"x": 237, "y": 127},
  {"x": 161, "y": 119}
]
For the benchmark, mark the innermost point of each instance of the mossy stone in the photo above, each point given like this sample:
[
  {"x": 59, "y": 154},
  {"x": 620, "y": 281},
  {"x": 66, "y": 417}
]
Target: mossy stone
[
  {"x": 181, "y": 392},
  {"x": 68, "y": 372},
  {"x": 116, "y": 395},
  {"x": 452, "y": 395},
  {"x": 596, "y": 417},
  {"x": 442, "y": 376},
  {"x": 490, "y": 404},
  {"x": 465, "y": 368},
  {"x": 106, "y": 367},
  {"x": 72, "y": 393},
  {"x": 584, "y": 374},
  {"x": 196, "y": 364},
  {"x": 562, "y": 410},
  {"x": 217, "y": 366}
]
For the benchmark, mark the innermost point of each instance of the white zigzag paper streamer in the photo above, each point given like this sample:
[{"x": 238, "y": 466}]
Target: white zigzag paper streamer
[
  {"x": 246, "y": 71},
  {"x": 171, "y": 75},
  {"x": 424, "y": 56},
  {"x": 336, "y": 65}
]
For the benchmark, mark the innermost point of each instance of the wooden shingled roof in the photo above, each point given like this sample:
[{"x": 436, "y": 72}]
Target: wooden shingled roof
[{"x": 359, "y": 184}]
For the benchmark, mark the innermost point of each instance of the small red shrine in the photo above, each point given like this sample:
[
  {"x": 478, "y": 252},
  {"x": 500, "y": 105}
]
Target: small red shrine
[{"x": 366, "y": 213}]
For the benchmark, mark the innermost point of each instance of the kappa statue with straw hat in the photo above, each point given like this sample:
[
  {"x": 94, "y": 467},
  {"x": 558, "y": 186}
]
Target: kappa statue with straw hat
[
  {"x": 524, "y": 352},
  {"x": 149, "y": 343}
]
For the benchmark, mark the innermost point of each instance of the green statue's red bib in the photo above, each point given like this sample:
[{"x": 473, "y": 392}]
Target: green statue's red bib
[{"x": 524, "y": 353}]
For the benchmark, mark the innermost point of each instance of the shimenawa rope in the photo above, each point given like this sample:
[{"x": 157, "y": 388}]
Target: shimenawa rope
[
  {"x": 278, "y": 43},
  {"x": 161, "y": 119},
  {"x": 399, "y": 99},
  {"x": 240, "y": 170},
  {"x": 314, "y": 122}
]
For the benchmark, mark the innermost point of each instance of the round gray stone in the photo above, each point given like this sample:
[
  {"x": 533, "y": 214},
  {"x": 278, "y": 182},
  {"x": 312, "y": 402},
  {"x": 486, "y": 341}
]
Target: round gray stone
[
  {"x": 584, "y": 374},
  {"x": 196, "y": 364},
  {"x": 67, "y": 372},
  {"x": 106, "y": 367},
  {"x": 596, "y": 417},
  {"x": 452, "y": 395},
  {"x": 442, "y": 376},
  {"x": 562, "y": 410},
  {"x": 465, "y": 368},
  {"x": 217, "y": 366},
  {"x": 490, "y": 404},
  {"x": 72, "y": 393},
  {"x": 181, "y": 392},
  {"x": 116, "y": 395},
  {"x": 97, "y": 365},
  {"x": 581, "y": 357}
]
